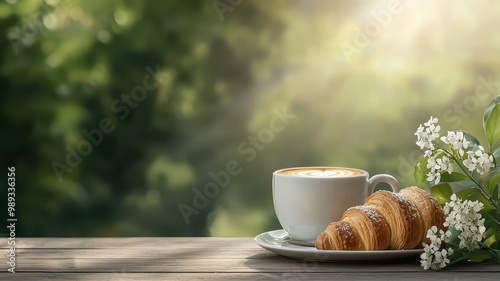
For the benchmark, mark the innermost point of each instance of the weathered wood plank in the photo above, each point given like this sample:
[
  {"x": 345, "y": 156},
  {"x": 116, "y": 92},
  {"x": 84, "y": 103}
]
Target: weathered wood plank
[
  {"x": 132, "y": 242},
  {"x": 394, "y": 276},
  {"x": 178, "y": 264},
  {"x": 138, "y": 253},
  {"x": 181, "y": 264}
]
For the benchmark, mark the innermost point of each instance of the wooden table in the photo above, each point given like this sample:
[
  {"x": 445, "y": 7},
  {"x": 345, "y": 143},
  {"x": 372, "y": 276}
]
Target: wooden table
[{"x": 200, "y": 259}]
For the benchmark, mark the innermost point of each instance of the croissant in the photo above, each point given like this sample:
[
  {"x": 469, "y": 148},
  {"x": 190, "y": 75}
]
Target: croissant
[
  {"x": 371, "y": 225},
  {"x": 387, "y": 220},
  {"x": 430, "y": 211},
  {"x": 339, "y": 235},
  {"x": 401, "y": 215}
]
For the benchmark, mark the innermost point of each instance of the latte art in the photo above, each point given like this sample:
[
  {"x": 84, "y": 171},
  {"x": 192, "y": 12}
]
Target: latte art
[{"x": 321, "y": 172}]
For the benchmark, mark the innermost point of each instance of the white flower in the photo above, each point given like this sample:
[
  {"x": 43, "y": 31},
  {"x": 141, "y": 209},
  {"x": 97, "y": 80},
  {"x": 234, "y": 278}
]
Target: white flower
[
  {"x": 470, "y": 163},
  {"x": 484, "y": 160},
  {"x": 433, "y": 256},
  {"x": 432, "y": 175},
  {"x": 428, "y": 153},
  {"x": 479, "y": 161},
  {"x": 431, "y": 123},
  {"x": 465, "y": 218},
  {"x": 445, "y": 164},
  {"x": 427, "y": 134},
  {"x": 457, "y": 141},
  {"x": 438, "y": 166}
]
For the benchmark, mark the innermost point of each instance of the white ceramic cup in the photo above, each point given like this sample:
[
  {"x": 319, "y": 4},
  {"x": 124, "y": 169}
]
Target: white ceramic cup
[{"x": 307, "y": 199}]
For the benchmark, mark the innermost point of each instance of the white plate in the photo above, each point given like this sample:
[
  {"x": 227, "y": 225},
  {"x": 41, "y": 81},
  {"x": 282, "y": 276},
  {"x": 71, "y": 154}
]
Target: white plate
[{"x": 277, "y": 241}]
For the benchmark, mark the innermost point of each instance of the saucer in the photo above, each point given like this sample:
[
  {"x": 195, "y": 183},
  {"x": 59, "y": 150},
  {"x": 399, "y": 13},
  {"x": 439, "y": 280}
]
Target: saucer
[{"x": 277, "y": 241}]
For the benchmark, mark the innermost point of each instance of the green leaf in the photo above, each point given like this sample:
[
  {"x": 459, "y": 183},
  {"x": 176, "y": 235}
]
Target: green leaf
[
  {"x": 453, "y": 239},
  {"x": 492, "y": 230},
  {"x": 491, "y": 180},
  {"x": 492, "y": 222},
  {"x": 493, "y": 126},
  {"x": 492, "y": 188},
  {"x": 474, "y": 194},
  {"x": 496, "y": 153},
  {"x": 488, "y": 110},
  {"x": 453, "y": 177},
  {"x": 492, "y": 233},
  {"x": 470, "y": 138},
  {"x": 490, "y": 174},
  {"x": 421, "y": 171},
  {"x": 442, "y": 193},
  {"x": 480, "y": 255},
  {"x": 492, "y": 240}
]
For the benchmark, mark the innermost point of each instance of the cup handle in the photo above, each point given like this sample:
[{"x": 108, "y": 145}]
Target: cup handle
[{"x": 392, "y": 181}]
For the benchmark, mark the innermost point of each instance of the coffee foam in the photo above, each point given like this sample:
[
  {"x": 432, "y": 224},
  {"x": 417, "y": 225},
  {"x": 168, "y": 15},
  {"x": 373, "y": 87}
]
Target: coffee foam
[{"x": 321, "y": 172}]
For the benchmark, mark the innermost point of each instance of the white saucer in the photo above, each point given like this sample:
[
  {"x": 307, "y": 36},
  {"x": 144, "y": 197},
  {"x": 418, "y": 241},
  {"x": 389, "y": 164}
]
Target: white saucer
[{"x": 278, "y": 242}]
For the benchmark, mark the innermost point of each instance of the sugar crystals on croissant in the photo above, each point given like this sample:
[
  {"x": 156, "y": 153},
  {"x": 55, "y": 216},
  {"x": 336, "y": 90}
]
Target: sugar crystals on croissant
[
  {"x": 387, "y": 220},
  {"x": 401, "y": 215},
  {"x": 430, "y": 210}
]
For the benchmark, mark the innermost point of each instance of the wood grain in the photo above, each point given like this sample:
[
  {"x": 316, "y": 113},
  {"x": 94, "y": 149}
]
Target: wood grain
[
  {"x": 133, "y": 242},
  {"x": 206, "y": 258},
  {"x": 393, "y": 276}
]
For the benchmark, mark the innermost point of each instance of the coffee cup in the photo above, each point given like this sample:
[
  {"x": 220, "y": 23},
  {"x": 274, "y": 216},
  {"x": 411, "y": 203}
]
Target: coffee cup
[{"x": 307, "y": 199}]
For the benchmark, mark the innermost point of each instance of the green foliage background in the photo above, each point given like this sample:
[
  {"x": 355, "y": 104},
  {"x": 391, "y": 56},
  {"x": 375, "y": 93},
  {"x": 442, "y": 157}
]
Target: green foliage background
[{"x": 222, "y": 77}]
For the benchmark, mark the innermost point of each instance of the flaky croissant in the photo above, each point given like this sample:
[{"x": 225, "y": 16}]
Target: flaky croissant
[
  {"x": 387, "y": 220},
  {"x": 339, "y": 235},
  {"x": 430, "y": 211},
  {"x": 373, "y": 229},
  {"x": 401, "y": 215}
]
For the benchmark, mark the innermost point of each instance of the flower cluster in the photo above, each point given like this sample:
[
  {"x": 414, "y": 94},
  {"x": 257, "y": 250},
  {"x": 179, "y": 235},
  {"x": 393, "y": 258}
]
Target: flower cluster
[
  {"x": 479, "y": 161},
  {"x": 465, "y": 218},
  {"x": 427, "y": 134},
  {"x": 433, "y": 256},
  {"x": 437, "y": 166},
  {"x": 462, "y": 216},
  {"x": 473, "y": 157},
  {"x": 457, "y": 141}
]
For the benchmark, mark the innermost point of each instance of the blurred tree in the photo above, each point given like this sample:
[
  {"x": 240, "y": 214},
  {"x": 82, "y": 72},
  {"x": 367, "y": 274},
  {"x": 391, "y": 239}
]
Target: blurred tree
[{"x": 99, "y": 150}]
